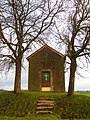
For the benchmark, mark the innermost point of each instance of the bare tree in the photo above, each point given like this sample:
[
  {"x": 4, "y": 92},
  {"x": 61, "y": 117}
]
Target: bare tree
[
  {"x": 76, "y": 36},
  {"x": 21, "y": 23}
]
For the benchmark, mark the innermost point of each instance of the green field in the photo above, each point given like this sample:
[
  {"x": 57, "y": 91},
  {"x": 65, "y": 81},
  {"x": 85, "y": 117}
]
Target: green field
[
  {"x": 47, "y": 117},
  {"x": 22, "y": 106},
  {"x": 50, "y": 117}
]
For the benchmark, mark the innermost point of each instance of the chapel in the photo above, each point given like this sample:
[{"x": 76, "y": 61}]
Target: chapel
[{"x": 46, "y": 70}]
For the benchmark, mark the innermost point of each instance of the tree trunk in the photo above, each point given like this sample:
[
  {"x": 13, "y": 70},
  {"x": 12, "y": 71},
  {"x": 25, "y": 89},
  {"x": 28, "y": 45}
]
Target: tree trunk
[
  {"x": 72, "y": 77},
  {"x": 17, "y": 84}
]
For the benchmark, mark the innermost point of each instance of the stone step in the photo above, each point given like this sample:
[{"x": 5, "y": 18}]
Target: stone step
[
  {"x": 44, "y": 108},
  {"x": 44, "y": 112},
  {"x": 45, "y": 104},
  {"x": 45, "y": 101},
  {"x": 46, "y": 98}
]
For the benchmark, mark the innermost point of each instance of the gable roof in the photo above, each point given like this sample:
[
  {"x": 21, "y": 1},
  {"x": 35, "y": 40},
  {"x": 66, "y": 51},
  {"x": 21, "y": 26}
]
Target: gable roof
[{"x": 45, "y": 46}]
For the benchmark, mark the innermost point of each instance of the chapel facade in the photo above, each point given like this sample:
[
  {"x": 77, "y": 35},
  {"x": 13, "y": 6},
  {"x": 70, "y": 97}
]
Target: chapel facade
[{"x": 46, "y": 70}]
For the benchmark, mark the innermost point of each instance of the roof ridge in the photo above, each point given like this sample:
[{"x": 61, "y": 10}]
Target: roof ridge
[{"x": 43, "y": 48}]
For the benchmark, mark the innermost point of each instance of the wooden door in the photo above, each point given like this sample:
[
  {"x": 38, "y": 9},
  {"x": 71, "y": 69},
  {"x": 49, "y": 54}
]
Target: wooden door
[{"x": 46, "y": 79}]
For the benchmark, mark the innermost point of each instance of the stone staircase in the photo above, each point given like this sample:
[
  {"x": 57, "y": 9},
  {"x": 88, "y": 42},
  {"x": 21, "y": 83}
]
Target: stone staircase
[{"x": 45, "y": 106}]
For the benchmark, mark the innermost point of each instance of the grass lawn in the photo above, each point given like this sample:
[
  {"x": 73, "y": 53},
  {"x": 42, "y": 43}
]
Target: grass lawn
[
  {"x": 22, "y": 106},
  {"x": 39, "y": 117},
  {"x": 83, "y": 93}
]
